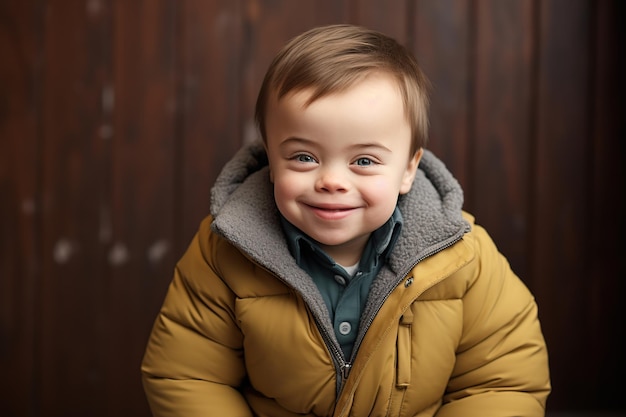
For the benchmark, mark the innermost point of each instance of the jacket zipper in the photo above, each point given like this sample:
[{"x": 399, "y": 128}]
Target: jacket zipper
[
  {"x": 370, "y": 320},
  {"x": 343, "y": 368}
]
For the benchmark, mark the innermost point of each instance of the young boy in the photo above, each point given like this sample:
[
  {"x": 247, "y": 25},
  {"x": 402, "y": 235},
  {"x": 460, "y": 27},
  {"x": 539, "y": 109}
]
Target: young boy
[{"x": 337, "y": 274}]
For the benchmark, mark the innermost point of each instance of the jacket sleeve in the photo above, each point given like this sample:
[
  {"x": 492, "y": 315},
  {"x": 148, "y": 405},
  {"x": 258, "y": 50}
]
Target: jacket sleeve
[
  {"x": 502, "y": 362},
  {"x": 193, "y": 361}
]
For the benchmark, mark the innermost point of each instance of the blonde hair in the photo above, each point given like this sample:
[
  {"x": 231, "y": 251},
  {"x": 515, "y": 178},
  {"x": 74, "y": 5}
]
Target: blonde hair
[{"x": 330, "y": 59}]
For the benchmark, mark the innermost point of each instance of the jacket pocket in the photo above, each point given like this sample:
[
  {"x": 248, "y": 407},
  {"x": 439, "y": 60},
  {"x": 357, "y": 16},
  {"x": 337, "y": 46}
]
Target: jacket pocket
[
  {"x": 403, "y": 364},
  {"x": 404, "y": 346}
]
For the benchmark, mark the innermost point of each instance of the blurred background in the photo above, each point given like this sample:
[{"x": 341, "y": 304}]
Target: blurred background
[{"x": 117, "y": 115}]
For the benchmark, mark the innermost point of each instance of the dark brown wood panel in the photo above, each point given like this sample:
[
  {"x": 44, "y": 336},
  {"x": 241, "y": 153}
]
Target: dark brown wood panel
[
  {"x": 503, "y": 124},
  {"x": 608, "y": 205},
  {"x": 209, "y": 77},
  {"x": 20, "y": 95},
  {"x": 391, "y": 18},
  {"x": 442, "y": 44},
  {"x": 141, "y": 250},
  {"x": 75, "y": 184},
  {"x": 561, "y": 203}
]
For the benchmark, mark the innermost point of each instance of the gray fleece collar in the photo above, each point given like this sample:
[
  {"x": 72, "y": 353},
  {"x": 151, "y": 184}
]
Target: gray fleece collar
[{"x": 243, "y": 207}]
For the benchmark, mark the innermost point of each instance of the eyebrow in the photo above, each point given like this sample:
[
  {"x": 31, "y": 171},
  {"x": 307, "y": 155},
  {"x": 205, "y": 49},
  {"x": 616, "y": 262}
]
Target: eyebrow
[
  {"x": 295, "y": 139},
  {"x": 371, "y": 145}
]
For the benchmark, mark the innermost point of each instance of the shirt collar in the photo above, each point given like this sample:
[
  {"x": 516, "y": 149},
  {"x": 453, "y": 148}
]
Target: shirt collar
[{"x": 380, "y": 242}]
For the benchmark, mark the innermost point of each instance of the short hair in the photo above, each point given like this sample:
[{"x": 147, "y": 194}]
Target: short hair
[{"x": 330, "y": 59}]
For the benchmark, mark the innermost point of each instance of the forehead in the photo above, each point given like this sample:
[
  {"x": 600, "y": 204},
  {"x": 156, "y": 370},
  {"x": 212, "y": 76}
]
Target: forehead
[
  {"x": 371, "y": 91},
  {"x": 369, "y": 88}
]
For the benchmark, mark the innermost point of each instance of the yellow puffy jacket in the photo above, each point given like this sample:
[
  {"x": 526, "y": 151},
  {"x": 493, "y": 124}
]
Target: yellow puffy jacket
[{"x": 449, "y": 330}]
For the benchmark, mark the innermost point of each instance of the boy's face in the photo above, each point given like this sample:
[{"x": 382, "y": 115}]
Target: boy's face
[{"x": 339, "y": 164}]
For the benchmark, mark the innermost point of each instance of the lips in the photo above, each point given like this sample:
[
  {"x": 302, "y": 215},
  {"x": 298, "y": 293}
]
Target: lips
[{"x": 331, "y": 212}]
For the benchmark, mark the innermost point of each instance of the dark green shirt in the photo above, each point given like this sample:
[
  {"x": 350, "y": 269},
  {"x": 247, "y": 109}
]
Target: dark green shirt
[{"x": 345, "y": 295}]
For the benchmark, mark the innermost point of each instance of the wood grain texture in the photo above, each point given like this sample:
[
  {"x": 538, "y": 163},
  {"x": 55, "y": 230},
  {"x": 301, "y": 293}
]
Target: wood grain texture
[
  {"x": 117, "y": 116},
  {"x": 442, "y": 41},
  {"x": 561, "y": 192},
  {"x": 503, "y": 124},
  {"x": 20, "y": 204},
  {"x": 144, "y": 162},
  {"x": 75, "y": 179}
]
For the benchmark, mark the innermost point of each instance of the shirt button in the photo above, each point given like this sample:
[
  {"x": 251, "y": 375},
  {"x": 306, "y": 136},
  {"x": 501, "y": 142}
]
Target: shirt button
[
  {"x": 340, "y": 280},
  {"x": 345, "y": 327}
]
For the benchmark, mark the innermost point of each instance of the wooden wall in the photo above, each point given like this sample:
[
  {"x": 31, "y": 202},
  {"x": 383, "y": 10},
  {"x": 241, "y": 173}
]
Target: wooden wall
[{"x": 116, "y": 116}]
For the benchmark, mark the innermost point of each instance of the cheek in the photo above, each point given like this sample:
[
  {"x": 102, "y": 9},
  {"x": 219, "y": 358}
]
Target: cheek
[
  {"x": 380, "y": 189},
  {"x": 286, "y": 188}
]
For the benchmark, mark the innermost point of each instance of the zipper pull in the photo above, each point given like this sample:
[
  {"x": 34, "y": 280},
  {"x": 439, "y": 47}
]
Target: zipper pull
[{"x": 345, "y": 370}]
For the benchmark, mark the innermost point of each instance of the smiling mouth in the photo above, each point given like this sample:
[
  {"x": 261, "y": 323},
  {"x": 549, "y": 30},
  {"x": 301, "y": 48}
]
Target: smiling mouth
[
  {"x": 331, "y": 213},
  {"x": 333, "y": 209}
]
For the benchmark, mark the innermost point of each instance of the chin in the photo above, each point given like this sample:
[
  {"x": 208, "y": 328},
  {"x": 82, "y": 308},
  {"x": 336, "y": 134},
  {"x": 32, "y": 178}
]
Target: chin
[{"x": 324, "y": 240}]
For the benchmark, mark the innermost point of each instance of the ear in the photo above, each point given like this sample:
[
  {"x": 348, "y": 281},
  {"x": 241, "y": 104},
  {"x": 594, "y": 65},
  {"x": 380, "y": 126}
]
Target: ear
[{"x": 411, "y": 170}]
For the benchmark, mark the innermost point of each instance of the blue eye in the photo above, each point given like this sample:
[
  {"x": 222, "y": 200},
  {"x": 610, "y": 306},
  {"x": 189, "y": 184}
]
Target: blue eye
[
  {"x": 364, "y": 162},
  {"x": 304, "y": 158}
]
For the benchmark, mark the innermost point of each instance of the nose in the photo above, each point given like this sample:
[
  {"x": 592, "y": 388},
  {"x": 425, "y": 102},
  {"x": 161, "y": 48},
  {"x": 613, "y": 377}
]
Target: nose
[{"x": 332, "y": 179}]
